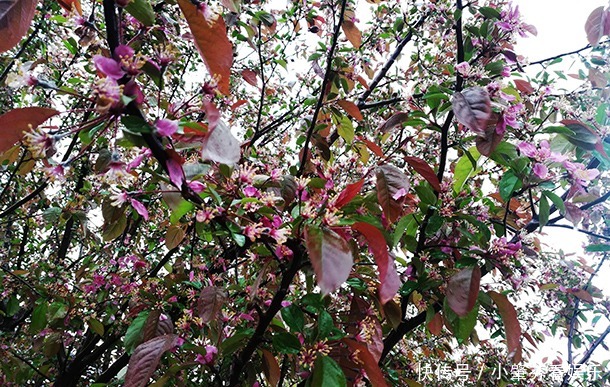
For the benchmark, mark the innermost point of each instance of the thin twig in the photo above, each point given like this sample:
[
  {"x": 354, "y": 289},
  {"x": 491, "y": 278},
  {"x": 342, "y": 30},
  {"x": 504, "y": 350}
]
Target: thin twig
[{"x": 325, "y": 82}]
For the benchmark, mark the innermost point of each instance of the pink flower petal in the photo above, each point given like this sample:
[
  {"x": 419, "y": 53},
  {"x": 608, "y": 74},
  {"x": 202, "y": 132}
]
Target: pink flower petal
[
  {"x": 541, "y": 171},
  {"x": 139, "y": 207},
  {"x": 109, "y": 67},
  {"x": 166, "y": 127}
]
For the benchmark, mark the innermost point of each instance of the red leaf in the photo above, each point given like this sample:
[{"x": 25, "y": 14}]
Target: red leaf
[
  {"x": 463, "y": 290},
  {"x": 270, "y": 368},
  {"x": 390, "y": 180},
  {"x": 15, "y": 19},
  {"x": 13, "y": 123},
  {"x": 250, "y": 77},
  {"x": 374, "y": 147},
  {"x": 351, "y": 109},
  {"x": 511, "y": 325},
  {"x": 435, "y": 326},
  {"x": 145, "y": 360},
  {"x": 425, "y": 170},
  {"x": 68, "y": 4},
  {"x": 395, "y": 120},
  {"x": 582, "y": 294},
  {"x": 349, "y": 193},
  {"x": 352, "y": 33},
  {"x": 210, "y": 302},
  {"x": 212, "y": 41},
  {"x": 367, "y": 361},
  {"x": 524, "y": 86},
  {"x": 594, "y": 26},
  {"x": 174, "y": 167},
  {"x": 388, "y": 278},
  {"x": 472, "y": 108},
  {"x": 330, "y": 257},
  {"x": 221, "y": 146}
]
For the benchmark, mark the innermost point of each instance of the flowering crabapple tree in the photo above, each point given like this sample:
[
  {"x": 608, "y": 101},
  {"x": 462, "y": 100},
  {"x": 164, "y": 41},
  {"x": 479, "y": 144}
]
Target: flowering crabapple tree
[{"x": 316, "y": 193}]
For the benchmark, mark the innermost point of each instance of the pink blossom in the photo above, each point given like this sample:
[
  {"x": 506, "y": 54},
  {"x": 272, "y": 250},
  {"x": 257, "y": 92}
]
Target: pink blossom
[
  {"x": 540, "y": 170},
  {"x": 463, "y": 68},
  {"x": 251, "y": 191},
  {"x": 140, "y": 208},
  {"x": 196, "y": 186},
  {"x": 166, "y": 127},
  {"x": 108, "y": 67}
]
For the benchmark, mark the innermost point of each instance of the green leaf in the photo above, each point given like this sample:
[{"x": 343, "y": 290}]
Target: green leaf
[
  {"x": 232, "y": 344},
  {"x": 597, "y": 248},
  {"x": 285, "y": 342},
  {"x": 557, "y": 201},
  {"x": 326, "y": 372},
  {"x": 345, "y": 128},
  {"x": 39, "y": 318},
  {"x": 509, "y": 184},
  {"x": 96, "y": 326},
  {"x": 183, "y": 208},
  {"x": 489, "y": 13},
  {"x": 136, "y": 124},
  {"x": 465, "y": 168},
  {"x": 141, "y": 10},
  {"x": 426, "y": 195},
  {"x": 462, "y": 327},
  {"x": 134, "y": 332},
  {"x": 559, "y": 130},
  {"x": 543, "y": 211},
  {"x": 325, "y": 324},
  {"x": 293, "y": 317}
]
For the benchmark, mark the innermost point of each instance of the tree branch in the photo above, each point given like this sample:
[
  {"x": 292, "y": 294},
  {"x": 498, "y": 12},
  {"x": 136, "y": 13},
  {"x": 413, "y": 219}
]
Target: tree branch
[
  {"x": 325, "y": 82},
  {"x": 276, "y": 304},
  {"x": 388, "y": 65}
]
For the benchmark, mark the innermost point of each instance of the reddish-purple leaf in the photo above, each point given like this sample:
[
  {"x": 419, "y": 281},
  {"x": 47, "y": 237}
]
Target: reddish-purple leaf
[
  {"x": 145, "y": 360},
  {"x": 463, "y": 290},
  {"x": 472, "y": 108},
  {"x": 373, "y": 147},
  {"x": 221, "y": 146},
  {"x": 351, "y": 109},
  {"x": 330, "y": 256},
  {"x": 349, "y": 193},
  {"x": 352, "y": 33},
  {"x": 435, "y": 326},
  {"x": 582, "y": 294},
  {"x": 210, "y": 302},
  {"x": 388, "y": 277},
  {"x": 14, "y": 122},
  {"x": 594, "y": 26},
  {"x": 524, "y": 86},
  {"x": 250, "y": 77},
  {"x": 367, "y": 361},
  {"x": 511, "y": 325},
  {"x": 271, "y": 368},
  {"x": 174, "y": 235},
  {"x": 573, "y": 213},
  {"x": 15, "y": 19},
  {"x": 69, "y": 5},
  {"x": 425, "y": 170},
  {"x": 390, "y": 183},
  {"x": 212, "y": 41},
  {"x": 487, "y": 144},
  {"x": 395, "y": 120}
]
